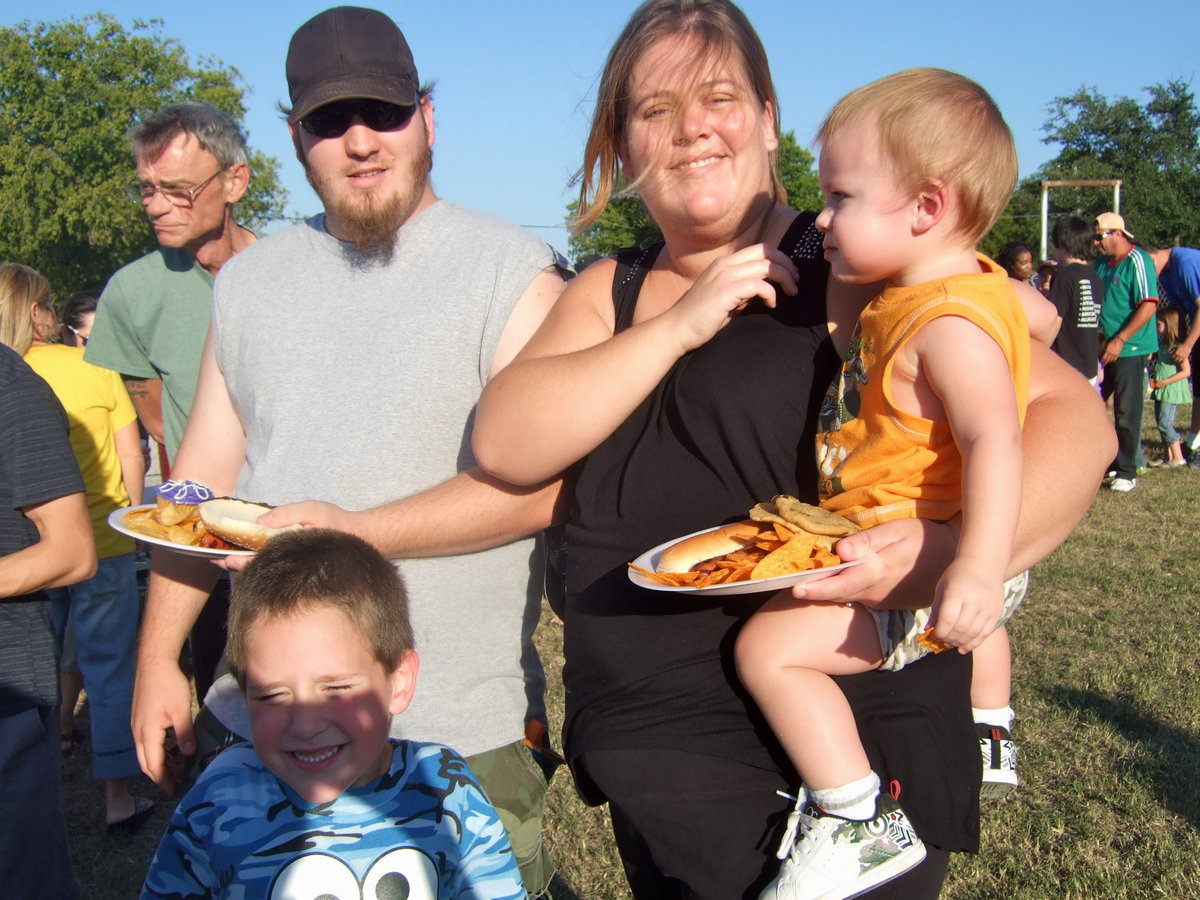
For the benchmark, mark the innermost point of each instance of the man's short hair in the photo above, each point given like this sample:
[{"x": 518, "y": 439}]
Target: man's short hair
[
  {"x": 317, "y": 567},
  {"x": 935, "y": 124},
  {"x": 1074, "y": 236},
  {"x": 214, "y": 131}
]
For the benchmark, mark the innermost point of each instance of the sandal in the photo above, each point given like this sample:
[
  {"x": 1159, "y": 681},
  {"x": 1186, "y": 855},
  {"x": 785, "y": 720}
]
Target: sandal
[{"x": 142, "y": 808}]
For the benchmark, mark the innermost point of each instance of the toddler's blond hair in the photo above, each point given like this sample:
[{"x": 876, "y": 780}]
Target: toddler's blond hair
[{"x": 938, "y": 125}]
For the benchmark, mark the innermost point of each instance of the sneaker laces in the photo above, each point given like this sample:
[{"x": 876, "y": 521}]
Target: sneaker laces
[{"x": 799, "y": 823}]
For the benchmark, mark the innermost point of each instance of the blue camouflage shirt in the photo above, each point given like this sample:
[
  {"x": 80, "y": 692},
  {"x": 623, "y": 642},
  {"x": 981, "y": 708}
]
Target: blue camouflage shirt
[{"x": 423, "y": 831}]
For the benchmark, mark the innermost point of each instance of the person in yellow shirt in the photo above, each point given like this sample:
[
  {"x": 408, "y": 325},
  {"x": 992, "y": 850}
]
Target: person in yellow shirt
[{"x": 104, "y": 608}]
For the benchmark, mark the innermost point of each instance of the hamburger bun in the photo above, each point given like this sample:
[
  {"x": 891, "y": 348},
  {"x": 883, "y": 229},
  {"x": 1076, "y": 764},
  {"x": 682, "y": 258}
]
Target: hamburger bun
[
  {"x": 237, "y": 522},
  {"x": 682, "y": 555}
]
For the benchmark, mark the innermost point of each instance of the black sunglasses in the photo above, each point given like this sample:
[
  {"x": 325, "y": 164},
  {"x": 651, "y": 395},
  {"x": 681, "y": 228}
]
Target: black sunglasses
[
  {"x": 1101, "y": 235},
  {"x": 333, "y": 119}
]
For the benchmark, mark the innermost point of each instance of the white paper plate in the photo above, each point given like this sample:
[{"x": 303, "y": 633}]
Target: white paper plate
[
  {"x": 116, "y": 521},
  {"x": 649, "y": 560}
]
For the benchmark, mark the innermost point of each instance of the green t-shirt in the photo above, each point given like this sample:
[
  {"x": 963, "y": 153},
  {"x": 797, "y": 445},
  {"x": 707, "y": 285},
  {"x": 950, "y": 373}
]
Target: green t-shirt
[
  {"x": 151, "y": 323},
  {"x": 1126, "y": 286}
]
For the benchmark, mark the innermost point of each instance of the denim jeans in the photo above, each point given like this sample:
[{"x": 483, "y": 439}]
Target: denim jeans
[
  {"x": 104, "y": 616},
  {"x": 1126, "y": 381},
  {"x": 35, "y": 861},
  {"x": 1164, "y": 415}
]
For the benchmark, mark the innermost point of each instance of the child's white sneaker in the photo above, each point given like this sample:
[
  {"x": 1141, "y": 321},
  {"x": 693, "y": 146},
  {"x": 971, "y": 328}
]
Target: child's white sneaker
[
  {"x": 827, "y": 857},
  {"x": 999, "y": 752}
]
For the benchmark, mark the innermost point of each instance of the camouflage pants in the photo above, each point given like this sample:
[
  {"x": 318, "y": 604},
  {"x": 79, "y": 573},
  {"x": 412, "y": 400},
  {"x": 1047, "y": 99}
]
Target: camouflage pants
[
  {"x": 516, "y": 784},
  {"x": 899, "y": 628}
]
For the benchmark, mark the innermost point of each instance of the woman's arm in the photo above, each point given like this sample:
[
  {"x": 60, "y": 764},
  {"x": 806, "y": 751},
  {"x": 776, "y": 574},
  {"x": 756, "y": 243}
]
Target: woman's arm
[
  {"x": 576, "y": 381},
  {"x": 570, "y": 387},
  {"x": 133, "y": 463},
  {"x": 1040, "y": 314},
  {"x": 1068, "y": 441}
]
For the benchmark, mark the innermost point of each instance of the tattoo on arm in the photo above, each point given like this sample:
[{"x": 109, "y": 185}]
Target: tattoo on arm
[{"x": 137, "y": 387}]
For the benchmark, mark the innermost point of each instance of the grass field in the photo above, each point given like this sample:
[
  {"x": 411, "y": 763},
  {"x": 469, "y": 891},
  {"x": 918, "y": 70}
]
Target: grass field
[{"x": 1106, "y": 693}]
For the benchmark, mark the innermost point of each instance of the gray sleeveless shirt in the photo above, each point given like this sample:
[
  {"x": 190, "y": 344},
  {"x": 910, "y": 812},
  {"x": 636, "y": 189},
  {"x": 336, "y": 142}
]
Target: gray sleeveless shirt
[{"x": 356, "y": 384}]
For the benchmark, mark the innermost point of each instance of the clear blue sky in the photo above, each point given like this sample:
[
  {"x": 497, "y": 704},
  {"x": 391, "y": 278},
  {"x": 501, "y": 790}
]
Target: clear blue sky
[{"x": 515, "y": 81}]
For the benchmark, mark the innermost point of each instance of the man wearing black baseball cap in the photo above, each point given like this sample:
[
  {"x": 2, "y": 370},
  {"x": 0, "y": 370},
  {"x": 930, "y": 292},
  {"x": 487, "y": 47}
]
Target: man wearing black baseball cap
[
  {"x": 387, "y": 315},
  {"x": 351, "y": 64},
  {"x": 349, "y": 53}
]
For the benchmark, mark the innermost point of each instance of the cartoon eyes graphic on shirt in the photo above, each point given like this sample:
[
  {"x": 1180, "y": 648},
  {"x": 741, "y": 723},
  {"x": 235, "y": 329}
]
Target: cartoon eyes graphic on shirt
[{"x": 405, "y": 874}]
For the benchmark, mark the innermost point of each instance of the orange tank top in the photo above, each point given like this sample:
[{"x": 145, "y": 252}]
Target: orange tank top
[{"x": 877, "y": 461}]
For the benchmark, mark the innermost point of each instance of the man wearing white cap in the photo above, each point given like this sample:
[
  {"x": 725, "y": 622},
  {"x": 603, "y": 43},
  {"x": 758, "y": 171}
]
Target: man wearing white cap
[{"x": 1130, "y": 336}]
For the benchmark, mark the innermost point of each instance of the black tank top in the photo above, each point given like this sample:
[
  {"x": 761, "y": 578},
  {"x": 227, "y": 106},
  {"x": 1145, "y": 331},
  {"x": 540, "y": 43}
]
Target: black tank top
[{"x": 733, "y": 422}]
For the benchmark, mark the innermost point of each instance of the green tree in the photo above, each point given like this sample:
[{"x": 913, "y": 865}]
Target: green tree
[
  {"x": 797, "y": 171},
  {"x": 626, "y": 222},
  {"x": 68, "y": 91},
  {"x": 1153, "y": 147}
]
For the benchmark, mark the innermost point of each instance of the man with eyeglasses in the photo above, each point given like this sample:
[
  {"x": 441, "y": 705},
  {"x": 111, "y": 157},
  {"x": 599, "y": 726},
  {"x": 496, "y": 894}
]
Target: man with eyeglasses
[
  {"x": 153, "y": 316},
  {"x": 388, "y": 313},
  {"x": 154, "y": 313},
  {"x": 1129, "y": 336}
]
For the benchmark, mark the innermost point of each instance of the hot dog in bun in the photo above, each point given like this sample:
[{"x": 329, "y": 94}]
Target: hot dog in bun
[
  {"x": 236, "y": 521},
  {"x": 684, "y": 555}
]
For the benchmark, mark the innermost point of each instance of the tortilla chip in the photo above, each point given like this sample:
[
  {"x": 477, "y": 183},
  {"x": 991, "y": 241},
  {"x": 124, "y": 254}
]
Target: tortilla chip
[
  {"x": 823, "y": 556},
  {"x": 794, "y": 556},
  {"x": 926, "y": 640}
]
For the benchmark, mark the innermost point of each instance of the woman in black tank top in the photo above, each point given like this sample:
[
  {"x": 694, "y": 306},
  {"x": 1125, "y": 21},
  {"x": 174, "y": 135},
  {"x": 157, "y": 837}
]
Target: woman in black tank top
[{"x": 683, "y": 381}]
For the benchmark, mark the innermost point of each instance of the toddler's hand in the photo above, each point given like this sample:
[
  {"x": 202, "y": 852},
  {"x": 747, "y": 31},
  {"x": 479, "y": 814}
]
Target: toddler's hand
[{"x": 967, "y": 604}]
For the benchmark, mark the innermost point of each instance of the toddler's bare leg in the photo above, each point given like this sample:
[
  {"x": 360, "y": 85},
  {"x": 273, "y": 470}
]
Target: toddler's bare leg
[
  {"x": 991, "y": 679},
  {"x": 785, "y": 655}
]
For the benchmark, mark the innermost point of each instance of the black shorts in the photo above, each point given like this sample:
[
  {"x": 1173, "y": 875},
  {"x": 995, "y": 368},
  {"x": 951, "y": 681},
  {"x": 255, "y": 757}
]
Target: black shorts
[{"x": 695, "y": 827}]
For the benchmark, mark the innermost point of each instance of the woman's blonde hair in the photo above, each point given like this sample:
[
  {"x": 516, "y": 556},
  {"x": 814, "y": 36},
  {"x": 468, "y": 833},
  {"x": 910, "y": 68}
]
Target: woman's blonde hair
[
  {"x": 20, "y": 287},
  {"x": 724, "y": 33},
  {"x": 938, "y": 125}
]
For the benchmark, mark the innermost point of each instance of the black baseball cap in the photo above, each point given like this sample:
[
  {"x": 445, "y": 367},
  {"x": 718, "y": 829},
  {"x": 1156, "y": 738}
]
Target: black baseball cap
[{"x": 349, "y": 52}]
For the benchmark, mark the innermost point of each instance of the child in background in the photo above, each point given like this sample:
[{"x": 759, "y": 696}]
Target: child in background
[
  {"x": 926, "y": 422},
  {"x": 1170, "y": 385},
  {"x": 1044, "y": 276},
  {"x": 324, "y": 802},
  {"x": 1077, "y": 293}
]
